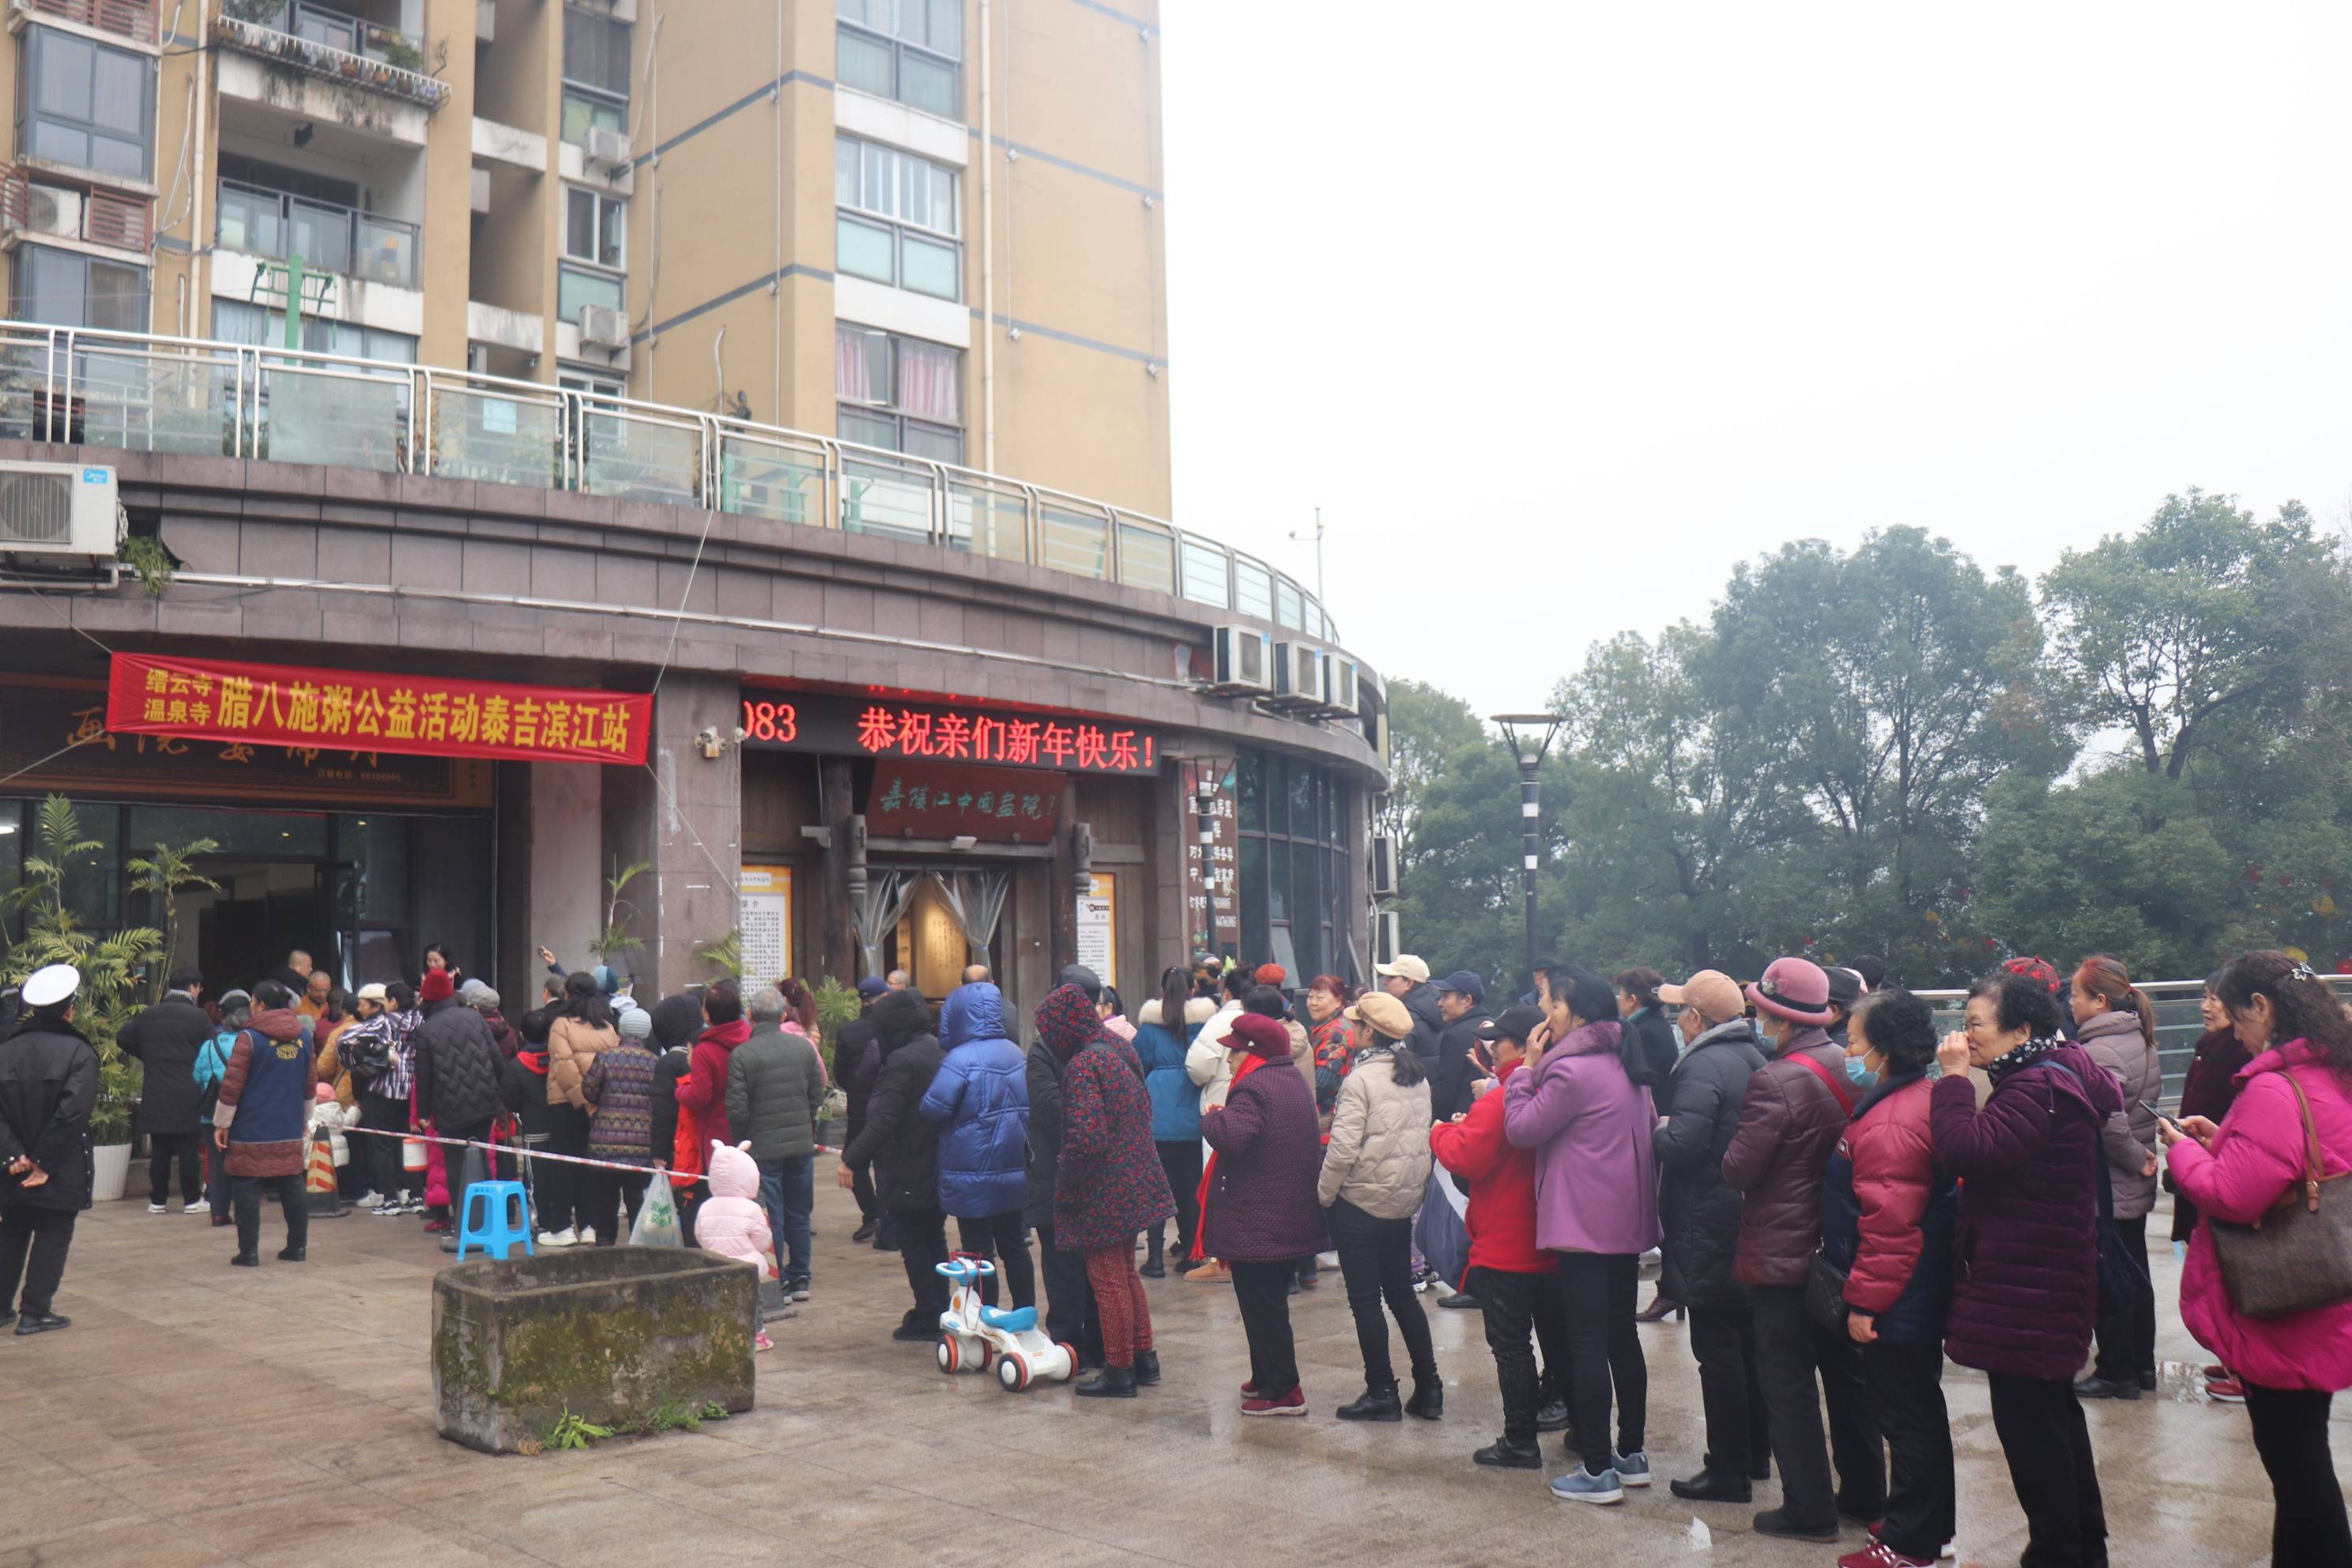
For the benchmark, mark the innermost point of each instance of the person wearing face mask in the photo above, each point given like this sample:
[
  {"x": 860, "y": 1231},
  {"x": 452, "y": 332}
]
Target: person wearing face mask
[{"x": 1887, "y": 1221}]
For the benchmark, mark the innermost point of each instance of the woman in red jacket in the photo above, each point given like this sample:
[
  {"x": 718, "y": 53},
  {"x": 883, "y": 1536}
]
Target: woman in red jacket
[
  {"x": 1886, "y": 1219},
  {"x": 1516, "y": 1281}
]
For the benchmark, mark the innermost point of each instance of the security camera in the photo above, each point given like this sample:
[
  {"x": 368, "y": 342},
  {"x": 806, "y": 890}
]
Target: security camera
[
  {"x": 740, "y": 735},
  {"x": 708, "y": 739}
]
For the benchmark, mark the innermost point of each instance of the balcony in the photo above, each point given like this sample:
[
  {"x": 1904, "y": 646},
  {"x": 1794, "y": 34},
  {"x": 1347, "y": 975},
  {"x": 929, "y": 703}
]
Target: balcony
[
  {"x": 331, "y": 44},
  {"x": 30, "y": 210},
  {"x": 132, "y": 19},
  {"x": 327, "y": 239}
]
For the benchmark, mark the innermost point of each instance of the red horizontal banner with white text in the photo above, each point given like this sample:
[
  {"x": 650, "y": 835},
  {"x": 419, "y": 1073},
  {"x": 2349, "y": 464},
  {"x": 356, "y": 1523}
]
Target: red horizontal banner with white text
[{"x": 358, "y": 710}]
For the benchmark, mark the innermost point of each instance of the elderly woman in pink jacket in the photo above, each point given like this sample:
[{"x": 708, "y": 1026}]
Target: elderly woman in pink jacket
[
  {"x": 1582, "y": 1103},
  {"x": 2254, "y": 1162}
]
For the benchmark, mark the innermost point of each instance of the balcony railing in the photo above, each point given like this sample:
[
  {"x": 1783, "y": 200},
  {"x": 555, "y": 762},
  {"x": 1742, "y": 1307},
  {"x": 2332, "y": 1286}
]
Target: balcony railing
[
  {"x": 98, "y": 216},
  {"x": 133, "y": 19},
  {"x": 329, "y": 238},
  {"x": 140, "y": 393},
  {"x": 330, "y": 43}
]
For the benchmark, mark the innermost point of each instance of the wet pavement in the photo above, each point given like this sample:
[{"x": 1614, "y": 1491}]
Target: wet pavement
[{"x": 197, "y": 1413}]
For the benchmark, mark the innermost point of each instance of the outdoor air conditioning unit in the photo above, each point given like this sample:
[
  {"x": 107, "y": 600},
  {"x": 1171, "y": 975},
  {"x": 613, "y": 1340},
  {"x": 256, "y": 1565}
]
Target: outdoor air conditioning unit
[
  {"x": 1245, "y": 660},
  {"x": 1339, "y": 701},
  {"x": 49, "y": 209},
  {"x": 1299, "y": 674},
  {"x": 59, "y": 510},
  {"x": 1385, "y": 869},
  {"x": 1388, "y": 937},
  {"x": 604, "y": 145},
  {"x": 604, "y": 327}
]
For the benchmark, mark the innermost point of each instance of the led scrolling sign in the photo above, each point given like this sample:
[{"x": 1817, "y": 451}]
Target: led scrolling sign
[{"x": 893, "y": 731}]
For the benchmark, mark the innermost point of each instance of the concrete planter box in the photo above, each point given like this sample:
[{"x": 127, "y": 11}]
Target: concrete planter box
[{"x": 608, "y": 1334}]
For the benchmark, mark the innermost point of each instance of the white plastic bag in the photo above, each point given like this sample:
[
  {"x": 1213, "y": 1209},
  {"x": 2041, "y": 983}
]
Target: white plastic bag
[{"x": 657, "y": 1215}]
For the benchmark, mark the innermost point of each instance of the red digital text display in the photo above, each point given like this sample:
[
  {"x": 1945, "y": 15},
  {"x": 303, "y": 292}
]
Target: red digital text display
[{"x": 910, "y": 731}]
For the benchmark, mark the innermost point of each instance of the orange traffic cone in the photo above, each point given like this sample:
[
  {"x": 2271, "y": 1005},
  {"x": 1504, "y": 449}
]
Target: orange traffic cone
[{"x": 319, "y": 1190}]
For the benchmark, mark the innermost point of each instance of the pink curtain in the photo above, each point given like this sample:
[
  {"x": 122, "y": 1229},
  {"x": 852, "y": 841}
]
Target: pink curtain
[
  {"x": 852, "y": 370},
  {"x": 930, "y": 382}
]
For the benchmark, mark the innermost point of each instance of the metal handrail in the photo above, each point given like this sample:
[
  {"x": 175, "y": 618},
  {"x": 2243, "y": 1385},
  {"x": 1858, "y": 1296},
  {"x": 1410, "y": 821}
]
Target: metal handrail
[
  {"x": 352, "y": 218},
  {"x": 61, "y": 378}
]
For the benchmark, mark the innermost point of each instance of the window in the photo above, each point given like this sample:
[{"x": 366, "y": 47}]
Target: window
[
  {"x": 899, "y": 221},
  {"x": 236, "y": 322},
  {"x": 1293, "y": 866},
  {"x": 581, "y": 112},
  {"x": 576, "y": 290},
  {"x": 596, "y": 52},
  {"x": 594, "y": 386},
  {"x": 67, "y": 289},
  {"x": 85, "y": 104},
  {"x": 902, "y": 394},
  {"x": 592, "y": 227},
  {"x": 903, "y": 49}
]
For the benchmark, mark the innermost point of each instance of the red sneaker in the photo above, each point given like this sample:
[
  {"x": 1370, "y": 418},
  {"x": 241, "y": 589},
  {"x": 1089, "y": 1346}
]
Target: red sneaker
[
  {"x": 1881, "y": 1555},
  {"x": 1291, "y": 1404},
  {"x": 2225, "y": 1390}
]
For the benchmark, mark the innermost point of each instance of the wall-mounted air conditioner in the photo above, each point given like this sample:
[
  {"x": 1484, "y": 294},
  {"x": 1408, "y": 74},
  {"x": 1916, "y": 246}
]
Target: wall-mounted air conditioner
[
  {"x": 58, "y": 510},
  {"x": 1299, "y": 676},
  {"x": 51, "y": 209},
  {"x": 604, "y": 145},
  {"x": 1245, "y": 660},
  {"x": 606, "y": 328},
  {"x": 1387, "y": 939},
  {"x": 1383, "y": 867},
  {"x": 1339, "y": 701}
]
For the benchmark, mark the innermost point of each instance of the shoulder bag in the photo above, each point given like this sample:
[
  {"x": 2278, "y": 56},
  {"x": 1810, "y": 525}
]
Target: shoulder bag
[
  {"x": 2121, "y": 1276},
  {"x": 2298, "y": 1257},
  {"x": 1824, "y": 1281}
]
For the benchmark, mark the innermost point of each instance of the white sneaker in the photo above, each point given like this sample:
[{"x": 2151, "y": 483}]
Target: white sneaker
[
  {"x": 159, "y": 1208},
  {"x": 202, "y": 1206},
  {"x": 371, "y": 1200},
  {"x": 587, "y": 1236},
  {"x": 564, "y": 1238}
]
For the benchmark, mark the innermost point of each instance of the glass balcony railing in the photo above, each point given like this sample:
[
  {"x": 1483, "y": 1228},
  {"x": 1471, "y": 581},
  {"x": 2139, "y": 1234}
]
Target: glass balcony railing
[
  {"x": 134, "y": 392},
  {"x": 329, "y": 238}
]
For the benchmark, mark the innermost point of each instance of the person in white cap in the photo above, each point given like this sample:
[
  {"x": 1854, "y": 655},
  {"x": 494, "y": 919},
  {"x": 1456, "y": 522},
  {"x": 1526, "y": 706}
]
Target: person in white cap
[
  {"x": 48, "y": 1087},
  {"x": 1407, "y": 980}
]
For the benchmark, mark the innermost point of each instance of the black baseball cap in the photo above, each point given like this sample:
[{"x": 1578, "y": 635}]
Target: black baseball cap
[{"x": 1512, "y": 1023}]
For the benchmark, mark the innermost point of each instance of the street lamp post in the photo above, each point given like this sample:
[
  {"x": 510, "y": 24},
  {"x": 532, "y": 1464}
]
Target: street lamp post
[{"x": 1529, "y": 736}]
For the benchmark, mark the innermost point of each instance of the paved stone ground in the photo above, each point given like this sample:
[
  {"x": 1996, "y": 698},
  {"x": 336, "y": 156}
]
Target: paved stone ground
[{"x": 197, "y": 1413}]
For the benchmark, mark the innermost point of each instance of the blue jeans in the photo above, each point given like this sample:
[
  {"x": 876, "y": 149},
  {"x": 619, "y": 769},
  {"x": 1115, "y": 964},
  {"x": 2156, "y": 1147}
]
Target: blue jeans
[{"x": 787, "y": 1194}]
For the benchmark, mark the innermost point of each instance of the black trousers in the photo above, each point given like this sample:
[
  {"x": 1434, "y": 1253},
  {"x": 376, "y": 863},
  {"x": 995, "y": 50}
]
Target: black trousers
[
  {"x": 1723, "y": 1340},
  {"x": 922, "y": 1247},
  {"x": 1262, "y": 1291},
  {"x": 1070, "y": 1315},
  {"x": 2048, "y": 1447},
  {"x": 164, "y": 1148},
  {"x": 2307, "y": 1523},
  {"x": 1906, "y": 1395},
  {"x": 1604, "y": 1350},
  {"x": 385, "y": 1176},
  {"x": 288, "y": 1190},
  {"x": 1181, "y": 1162},
  {"x": 861, "y": 1179},
  {"x": 563, "y": 1200},
  {"x": 2128, "y": 1339},
  {"x": 611, "y": 1193},
  {"x": 42, "y": 1236},
  {"x": 1789, "y": 1350},
  {"x": 1512, "y": 1304},
  {"x": 1003, "y": 1238},
  {"x": 1376, "y": 1261}
]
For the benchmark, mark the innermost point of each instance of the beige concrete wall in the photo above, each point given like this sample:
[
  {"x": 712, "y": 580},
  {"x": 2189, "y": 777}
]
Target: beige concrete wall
[{"x": 445, "y": 245}]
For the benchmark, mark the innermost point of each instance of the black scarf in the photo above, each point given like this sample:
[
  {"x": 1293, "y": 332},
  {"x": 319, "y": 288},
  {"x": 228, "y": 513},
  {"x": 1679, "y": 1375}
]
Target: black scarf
[{"x": 2023, "y": 1057}]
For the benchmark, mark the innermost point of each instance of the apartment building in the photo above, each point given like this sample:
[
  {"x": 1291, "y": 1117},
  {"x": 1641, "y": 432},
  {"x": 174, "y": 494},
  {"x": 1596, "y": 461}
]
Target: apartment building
[{"x": 928, "y": 227}]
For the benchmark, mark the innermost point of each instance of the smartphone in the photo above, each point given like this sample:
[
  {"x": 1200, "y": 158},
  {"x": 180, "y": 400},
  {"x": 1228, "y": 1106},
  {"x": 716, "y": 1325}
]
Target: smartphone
[{"x": 2160, "y": 1116}]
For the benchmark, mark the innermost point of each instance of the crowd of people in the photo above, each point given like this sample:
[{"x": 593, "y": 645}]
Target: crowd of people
[{"x": 1841, "y": 1201}]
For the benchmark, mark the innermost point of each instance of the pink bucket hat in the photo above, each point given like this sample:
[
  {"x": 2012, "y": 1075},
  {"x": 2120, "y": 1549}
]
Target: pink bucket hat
[{"x": 1795, "y": 989}]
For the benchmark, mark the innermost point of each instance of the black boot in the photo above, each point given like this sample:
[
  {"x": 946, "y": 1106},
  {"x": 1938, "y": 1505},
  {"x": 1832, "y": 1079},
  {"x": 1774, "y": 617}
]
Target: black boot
[
  {"x": 296, "y": 1254},
  {"x": 1147, "y": 1367},
  {"x": 1505, "y": 1454},
  {"x": 246, "y": 1260},
  {"x": 1153, "y": 1269},
  {"x": 1713, "y": 1485},
  {"x": 1378, "y": 1403},
  {"x": 865, "y": 1232},
  {"x": 1428, "y": 1400},
  {"x": 1111, "y": 1383}
]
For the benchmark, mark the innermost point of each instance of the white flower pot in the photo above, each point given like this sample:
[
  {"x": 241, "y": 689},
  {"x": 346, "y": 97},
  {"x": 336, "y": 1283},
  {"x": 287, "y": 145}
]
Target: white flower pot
[{"x": 112, "y": 1173}]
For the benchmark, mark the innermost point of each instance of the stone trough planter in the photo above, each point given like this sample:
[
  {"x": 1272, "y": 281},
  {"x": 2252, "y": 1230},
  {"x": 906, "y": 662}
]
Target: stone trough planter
[{"x": 609, "y": 1334}]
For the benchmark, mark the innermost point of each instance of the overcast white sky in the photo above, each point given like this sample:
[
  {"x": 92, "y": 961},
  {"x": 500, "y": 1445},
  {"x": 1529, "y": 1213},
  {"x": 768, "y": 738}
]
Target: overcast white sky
[{"x": 1624, "y": 293}]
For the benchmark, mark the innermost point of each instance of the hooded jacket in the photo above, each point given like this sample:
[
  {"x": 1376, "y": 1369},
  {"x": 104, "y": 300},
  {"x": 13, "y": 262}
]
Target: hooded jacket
[
  {"x": 775, "y": 1082},
  {"x": 1161, "y": 1047},
  {"x": 1788, "y": 1125},
  {"x": 522, "y": 1089},
  {"x": 703, "y": 1089},
  {"x": 1207, "y": 1062},
  {"x": 266, "y": 1097},
  {"x": 677, "y": 1019},
  {"x": 1110, "y": 1182},
  {"x": 1588, "y": 1124},
  {"x": 166, "y": 1039},
  {"x": 1065, "y": 1022},
  {"x": 48, "y": 1087},
  {"x": 903, "y": 1144},
  {"x": 456, "y": 1065},
  {"x": 849, "y": 1045},
  {"x": 2116, "y": 1043},
  {"x": 1661, "y": 1048},
  {"x": 1428, "y": 1023},
  {"x": 2025, "y": 1253},
  {"x": 1378, "y": 1158},
  {"x": 730, "y": 1221},
  {"x": 1501, "y": 1218},
  {"x": 980, "y": 1096},
  {"x": 1698, "y": 1212},
  {"x": 1886, "y": 1214}
]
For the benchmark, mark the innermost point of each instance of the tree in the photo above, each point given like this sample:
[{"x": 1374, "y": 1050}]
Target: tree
[
  {"x": 1427, "y": 730},
  {"x": 171, "y": 872}
]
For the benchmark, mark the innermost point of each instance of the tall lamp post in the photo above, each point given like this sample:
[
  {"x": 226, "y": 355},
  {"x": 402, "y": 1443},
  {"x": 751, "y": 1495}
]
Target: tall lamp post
[{"x": 1529, "y": 736}]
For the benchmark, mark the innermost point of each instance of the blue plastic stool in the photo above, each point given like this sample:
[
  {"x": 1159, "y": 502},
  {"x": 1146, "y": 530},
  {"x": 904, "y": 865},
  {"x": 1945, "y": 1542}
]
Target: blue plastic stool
[{"x": 497, "y": 1217}]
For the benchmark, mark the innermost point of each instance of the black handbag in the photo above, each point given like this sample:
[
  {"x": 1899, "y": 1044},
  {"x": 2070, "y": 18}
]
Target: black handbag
[
  {"x": 2122, "y": 1276},
  {"x": 1825, "y": 1293}
]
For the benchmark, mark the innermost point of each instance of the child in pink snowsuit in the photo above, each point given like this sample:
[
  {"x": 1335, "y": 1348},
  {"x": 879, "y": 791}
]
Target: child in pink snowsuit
[{"x": 730, "y": 1221}]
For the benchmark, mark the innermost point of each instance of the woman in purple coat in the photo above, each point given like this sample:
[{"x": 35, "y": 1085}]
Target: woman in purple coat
[
  {"x": 1582, "y": 1103},
  {"x": 2026, "y": 1250}
]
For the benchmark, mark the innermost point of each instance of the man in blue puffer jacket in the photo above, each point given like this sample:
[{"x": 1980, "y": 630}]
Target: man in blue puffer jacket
[{"x": 981, "y": 1095}]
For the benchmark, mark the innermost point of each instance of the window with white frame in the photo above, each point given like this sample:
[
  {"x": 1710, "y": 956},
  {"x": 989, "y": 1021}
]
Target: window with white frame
[
  {"x": 593, "y": 225},
  {"x": 899, "y": 221},
  {"x": 901, "y": 394},
  {"x": 904, "y": 49}
]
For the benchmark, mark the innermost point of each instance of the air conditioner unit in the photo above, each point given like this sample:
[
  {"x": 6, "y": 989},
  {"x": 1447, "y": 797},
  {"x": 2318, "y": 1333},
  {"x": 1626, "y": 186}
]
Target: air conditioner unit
[
  {"x": 1299, "y": 676},
  {"x": 604, "y": 145},
  {"x": 55, "y": 509},
  {"x": 604, "y": 327},
  {"x": 50, "y": 209},
  {"x": 1245, "y": 660},
  {"x": 1339, "y": 701},
  {"x": 1388, "y": 937},
  {"x": 1384, "y": 867}
]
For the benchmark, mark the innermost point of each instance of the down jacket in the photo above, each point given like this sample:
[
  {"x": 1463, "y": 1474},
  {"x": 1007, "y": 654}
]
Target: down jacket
[
  {"x": 2025, "y": 1252},
  {"x": 1112, "y": 1184},
  {"x": 775, "y": 1082},
  {"x": 166, "y": 1038},
  {"x": 1207, "y": 1062},
  {"x": 2116, "y": 1043},
  {"x": 1886, "y": 1214},
  {"x": 1268, "y": 1148},
  {"x": 730, "y": 1221},
  {"x": 572, "y": 1045},
  {"x": 1449, "y": 1080},
  {"x": 1379, "y": 1156},
  {"x": 1661, "y": 1048},
  {"x": 1502, "y": 1179},
  {"x": 1175, "y": 1101},
  {"x": 980, "y": 1095},
  {"x": 457, "y": 1066},
  {"x": 903, "y": 1144},
  {"x": 1700, "y": 1214},
  {"x": 1590, "y": 1125},
  {"x": 2257, "y": 1160},
  {"x": 1789, "y": 1126}
]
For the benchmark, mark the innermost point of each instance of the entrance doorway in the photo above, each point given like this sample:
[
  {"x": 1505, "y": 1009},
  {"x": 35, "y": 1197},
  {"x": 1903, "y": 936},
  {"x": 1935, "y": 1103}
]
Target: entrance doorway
[{"x": 946, "y": 917}]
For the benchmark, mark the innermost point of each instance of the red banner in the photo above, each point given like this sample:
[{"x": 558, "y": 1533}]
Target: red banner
[
  {"x": 998, "y": 805},
  {"x": 356, "y": 711}
]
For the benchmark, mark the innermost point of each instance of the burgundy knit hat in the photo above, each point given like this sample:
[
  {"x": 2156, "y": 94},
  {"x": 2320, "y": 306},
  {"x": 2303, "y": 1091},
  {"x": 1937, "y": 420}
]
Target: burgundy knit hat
[
  {"x": 436, "y": 986},
  {"x": 1258, "y": 1033}
]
